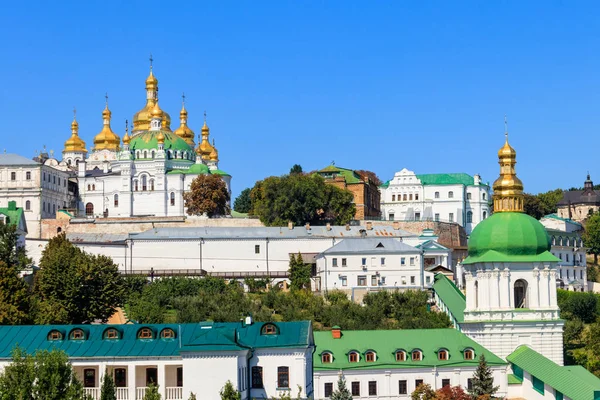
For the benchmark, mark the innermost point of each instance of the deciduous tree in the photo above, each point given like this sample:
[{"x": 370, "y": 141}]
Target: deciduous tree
[
  {"x": 243, "y": 203},
  {"x": 207, "y": 195},
  {"x": 371, "y": 175},
  {"x": 423, "y": 392},
  {"x": 14, "y": 296},
  {"x": 10, "y": 252},
  {"x": 591, "y": 236},
  {"x": 451, "y": 393}
]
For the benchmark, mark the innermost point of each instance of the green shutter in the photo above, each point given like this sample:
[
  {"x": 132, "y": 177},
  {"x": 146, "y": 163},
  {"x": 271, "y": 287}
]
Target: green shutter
[
  {"x": 517, "y": 371},
  {"x": 538, "y": 384},
  {"x": 558, "y": 395}
]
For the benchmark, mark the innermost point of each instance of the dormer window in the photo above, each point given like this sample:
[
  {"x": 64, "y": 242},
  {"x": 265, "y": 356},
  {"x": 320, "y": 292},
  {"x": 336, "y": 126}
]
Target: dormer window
[
  {"x": 167, "y": 333},
  {"x": 400, "y": 355},
  {"x": 55, "y": 335},
  {"x": 443, "y": 355},
  {"x": 417, "y": 355},
  {"x": 269, "y": 329},
  {"x": 111, "y": 333},
  {"x": 353, "y": 357},
  {"x": 326, "y": 358},
  {"x": 77, "y": 334},
  {"x": 145, "y": 333},
  {"x": 370, "y": 356},
  {"x": 469, "y": 354}
]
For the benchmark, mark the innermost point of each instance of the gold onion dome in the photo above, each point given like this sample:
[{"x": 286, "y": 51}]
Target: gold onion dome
[
  {"x": 205, "y": 148},
  {"x": 75, "y": 143},
  {"x": 106, "y": 139},
  {"x": 508, "y": 188},
  {"x": 156, "y": 111},
  {"x": 214, "y": 154},
  {"x": 141, "y": 119},
  {"x": 160, "y": 138},
  {"x": 126, "y": 138},
  {"x": 184, "y": 131}
]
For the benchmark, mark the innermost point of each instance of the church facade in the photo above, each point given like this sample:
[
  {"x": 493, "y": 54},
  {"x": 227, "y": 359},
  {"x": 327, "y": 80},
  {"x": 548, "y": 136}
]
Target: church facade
[{"x": 145, "y": 173}]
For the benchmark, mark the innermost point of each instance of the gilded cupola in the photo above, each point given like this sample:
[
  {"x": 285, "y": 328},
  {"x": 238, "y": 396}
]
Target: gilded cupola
[
  {"x": 508, "y": 188},
  {"x": 184, "y": 131},
  {"x": 141, "y": 119},
  {"x": 126, "y": 138},
  {"x": 214, "y": 154},
  {"x": 204, "y": 148},
  {"x": 106, "y": 139},
  {"x": 75, "y": 143}
]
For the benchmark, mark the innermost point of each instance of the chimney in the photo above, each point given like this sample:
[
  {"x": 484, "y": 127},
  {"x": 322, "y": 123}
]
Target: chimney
[
  {"x": 396, "y": 225},
  {"x": 369, "y": 226},
  {"x": 336, "y": 332},
  {"x": 290, "y": 225},
  {"x": 347, "y": 227},
  {"x": 248, "y": 320},
  {"x": 307, "y": 226},
  {"x": 328, "y": 226}
]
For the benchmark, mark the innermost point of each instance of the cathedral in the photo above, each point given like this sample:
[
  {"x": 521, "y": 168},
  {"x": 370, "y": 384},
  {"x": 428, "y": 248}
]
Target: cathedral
[{"x": 145, "y": 173}]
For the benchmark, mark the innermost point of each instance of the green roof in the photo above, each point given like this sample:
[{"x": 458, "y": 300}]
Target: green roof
[
  {"x": 446, "y": 179},
  {"x": 509, "y": 237},
  {"x": 574, "y": 382},
  {"x": 147, "y": 141},
  {"x": 204, "y": 336},
  {"x": 219, "y": 172},
  {"x": 195, "y": 169},
  {"x": 554, "y": 216},
  {"x": 514, "y": 380},
  {"x": 349, "y": 175},
  {"x": 452, "y": 297},
  {"x": 385, "y": 343},
  {"x": 385, "y": 185},
  {"x": 14, "y": 216},
  {"x": 235, "y": 214}
]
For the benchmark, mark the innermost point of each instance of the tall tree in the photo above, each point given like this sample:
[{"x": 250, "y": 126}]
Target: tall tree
[
  {"x": 533, "y": 206},
  {"x": 296, "y": 169},
  {"x": 371, "y": 175},
  {"x": 108, "y": 391},
  {"x": 549, "y": 200},
  {"x": 228, "y": 392},
  {"x": 14, "y": 297},
  {"x": 243, "y": 203},
  {"x": 10, "y": 252},
  {"x": 591, "y": 236},
  {"x": 74, "y": 287},
  {"x": 342, "y": 392},
  {"x": 483, "y": 381},
  {"x": 207, "y": 195},
  {"x": 16, "y": 381},
  {"x": 299, "y": 273}
]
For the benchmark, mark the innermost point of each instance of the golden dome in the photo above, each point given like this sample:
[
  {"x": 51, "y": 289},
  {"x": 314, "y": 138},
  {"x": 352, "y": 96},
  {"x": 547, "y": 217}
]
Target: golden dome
[
  {"x": 184, "y": 131},
  {"x": 106, "y": 139},
  {"x": 151, "y": 81},
  {"x": 156, "y": 111},
  {"x": 141, "y": 119},
  {"x": 214, "y": 154},
  {"x": 205, "y": 148},
  {"x": 160, "y": 138},
  {"x": 508, "y": 188},
  {"x": 75, "y": 143},
  {"x": 126, "y": 138}
]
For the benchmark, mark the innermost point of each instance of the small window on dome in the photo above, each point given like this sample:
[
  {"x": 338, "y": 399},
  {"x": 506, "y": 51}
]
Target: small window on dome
[
  {"x": 167, "y": 333},
  {"x": 443, "y": 355},
  {"x": 145, "y": 333},
  {"x": 269, "y": 329},
  {"x": 55, "y": 335},
  {"x": 111, "y": 333},
  {"x": 77, "y": 334}
]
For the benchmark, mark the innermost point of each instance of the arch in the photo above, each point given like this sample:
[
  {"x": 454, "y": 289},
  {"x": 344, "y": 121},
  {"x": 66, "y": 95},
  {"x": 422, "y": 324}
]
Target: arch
[
  {"x": 167, "y": 333},
  {"x": 58, "y": 230},
  {"x": 28, "y": 205},
  {"x": 172, "y": 198},
  {"x": 469, "y": 354},
  {"x": 55, "y": 334},
  {"x": 93, "y": 187},
  {"x": 145, "y": 153},
  {"x": 400, "y": 355},
  {"x": 443, "y": 355},
  {"x": 116, "y": 200},
  {"x": 353, "y": 357},
  {"x": 89, "y": 209},
  {"x": 326, "y": 357},
  {"x": 145, "y": 333},
  {"x": 111, "y": 333},
  {"x": 469, "y": 217},
  {"x": 77, "y": 334},
  {"x": 152, "y": 154},
  {"x": 89, "y": 187},
  {"x": 520, "y": 293},
  {"x": 416, "y": 355},
  {"x": 269, "y": 329},
  {"x": 370, "y": 356}
]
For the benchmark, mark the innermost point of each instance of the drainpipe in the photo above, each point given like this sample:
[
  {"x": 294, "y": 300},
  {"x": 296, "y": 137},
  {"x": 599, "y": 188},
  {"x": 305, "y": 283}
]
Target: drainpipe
[
  {"x": 267, "y": 254},
  {"x": 326, "y": 290},
  {"x": 422, "y": 269},
  {"x": 200, "y": 255}
]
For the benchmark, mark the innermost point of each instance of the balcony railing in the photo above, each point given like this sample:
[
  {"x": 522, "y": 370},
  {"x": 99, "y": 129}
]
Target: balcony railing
[
  {"x": 173, "y": 393},
  {"x": 122, "y": 393},
  {"x": 140, "y": 393},
  {"x": 93, "y": 393}
]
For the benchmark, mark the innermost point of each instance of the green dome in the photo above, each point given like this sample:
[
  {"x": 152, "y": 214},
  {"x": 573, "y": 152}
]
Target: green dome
[
  {"x": 509, "y": 237},
  {"x": 147, "y": 141}
]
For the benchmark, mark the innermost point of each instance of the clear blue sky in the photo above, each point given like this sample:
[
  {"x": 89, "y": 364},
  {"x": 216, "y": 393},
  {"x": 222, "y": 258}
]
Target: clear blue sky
[{"x": 379, "y": 85}]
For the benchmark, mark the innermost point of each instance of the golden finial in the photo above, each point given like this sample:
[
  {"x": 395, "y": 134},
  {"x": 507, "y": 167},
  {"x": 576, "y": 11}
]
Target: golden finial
[
  {"x": 75, "y": 143},
  {"x": 508, "y": 188},
  {"x": 160, "y": 138},
  {"x": 151, "y": 60}
]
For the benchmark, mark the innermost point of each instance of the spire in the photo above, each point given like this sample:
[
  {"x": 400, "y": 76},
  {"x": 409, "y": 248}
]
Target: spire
[{"x": 508, "y": 188}]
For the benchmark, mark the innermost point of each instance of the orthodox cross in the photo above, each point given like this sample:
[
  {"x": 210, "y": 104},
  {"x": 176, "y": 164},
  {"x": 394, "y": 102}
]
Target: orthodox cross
[
  {"x": 505, "y": 127},
  {"x": 151, "y": 60}
]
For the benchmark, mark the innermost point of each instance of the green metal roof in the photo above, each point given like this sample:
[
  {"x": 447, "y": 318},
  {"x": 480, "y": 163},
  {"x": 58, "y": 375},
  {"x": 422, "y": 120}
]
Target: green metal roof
[
  {"x": 147, "y": 141},
  {"x": 446, "y": 179},
  {"x": 386, "y": 342},
  {"x": 349, "y": 175},
  {"x": 555, "y": 216},
  {"x": 452, "y": 297},
  {"x": 574, "y": 382},
  {"x": 14, "y": 216},
  {"x": 514, "y": 380},
  {"x": 195, "y": 169},
  {"x": 204, "y": 336}
]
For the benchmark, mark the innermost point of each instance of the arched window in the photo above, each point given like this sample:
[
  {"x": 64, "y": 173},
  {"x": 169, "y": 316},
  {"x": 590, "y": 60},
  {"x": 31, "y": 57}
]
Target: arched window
[
  {"x": 326, "y": 358},
  {"x": 145, "y": 333},
  {"x": 93, "y": 187},
  {"x": 55, "y": 335},
  {"x": 520, "y": 293},
  {"x": 437, "y": 195},
  {"x": 28, "y": 205},
  {"x": 476, "y": 294},
  {"x": 77, "y": 334},
  {"x": 152, "y": 184},
  {"x": 69, "y": 162},
  {"x": 58, "y": 230},
  {"x": 483, "y": 196},
  {"x": 167, "y": 333},
  {"x": 172, "y": 198},
  {"x": 443, "y": 355},
  {"x": 404, "y": 197},
  {"x": 417, "y": 355},
  {"x": 116, "y": 200},
  {"x": 89, "y": 209},
  {"x": 400, "y": 355},
  {"x": 353, "y": 357},
  {"x": 469, "y": 217},
  {"x": 111, "y": 333},
  {"x": 145, "y": 154},
  {"x": 450, "y": 194},
  {"x": 152, "y": 153},
  {"x": 370, "y": 356},
  {"x": 135, "y": 185},
  {"x": 144, "y": 183},
  {"x": 89, "y": 187},
  {"x": 469, "y": 354},
  {"x": 484, "y": 215},
  {"x": 269, "y": 329}
]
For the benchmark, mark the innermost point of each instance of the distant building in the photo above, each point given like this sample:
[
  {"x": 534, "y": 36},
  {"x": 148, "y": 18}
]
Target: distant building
[
  {"x": 365, "y": 191},
  {"x": 578, "y": 204},
  {"x": 12, "y": 215},
  {"x": 459, "y": 198}
]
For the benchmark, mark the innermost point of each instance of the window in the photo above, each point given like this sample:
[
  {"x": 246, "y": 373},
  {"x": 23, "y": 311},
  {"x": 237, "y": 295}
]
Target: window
[
  {"x": 416, "y": 196},
  {"x": 353, "y": 357},
  {"x": 257, "y": 377},
  {"x": 393, "y": 197},
  {"x": 326, "y": 358},
  {"x": 344, "y": 280},
  {"x": 59, "y": 181},
  {"x": 54, "y": 179},
  {"x": 13, "y": 176},
  {"x": 135, "y": 185},
  {"x": 152, "y": 184},
  {"x": 343, "y": 262},
  {"x": 445, "y": 382},
  {"x": 373, "y": 280},
  {"x": 382, "y": 260},
  {"x": 469, "y": 217},
  {"x": 28, "y": 205},
  {"x": 469, "y": 354},
  {"x": 144, "y": 183},
  {"x": 151, "y": 376},
  {"x": 145, "y": 333},
  {"x": 483, "y": 196},
  {"x": 356, "y": 389},
  {"x": 269, "y": 329},
  {"x": 402, "y": 261},
  {"x": 451, "y": 217},
  {"x": 391, "y": 217},
  {"x": 44, "y": 178},
  {"x": 89, "y": 378},
  {"x": 581, "y": 274},
  {"x": 334, "y": 262},
  {"x": 558, "y": 395},
  {"x": 372, "y": 388},
  {"x": 436, "y": 217},
  {"x": 450, "y": 194},
  {"x": 362, "y": 280},
  {"x": 28, "y": 175},
  {"x": 417, "y": 216},
  {"x": 180, "y": 377},
  {"x": 418, "y": 382},
  {"x": 443, "y": 355},
  {"x": 568, "y": 277},
  {"x": 93, "y": 187},
  {"x": 257, "y": 249},
  {"x": 44, "y": 206},
  {"x": 437, "y": 195},
  {"x": 469, "y": 384},
  {"x": 468, "y": 196},
  {"x": 283, "y": 377},
  {"x": 145, "y": 154},
  {"x": 412, "y": 261},
  {"x": 538, "y": 384},
  {"x": 116, "y": 200},
  {"x": 55, "y": 335},
  {"x": 370, "y": 356},
  {"x": 402, "y": 387},
  {"x": 77, "y": 334},
  {"x": 400, "y": 355},
  {"x": 416, "y": 355},
  {"x": 428, "y": 279},
  {"x": 111, "y": 333},
  {"x": 520, "y": 293},
  {"x": 484, "y": 215},
  {"x": 120, "y": 377},
  {"x": 172, "y": 198},
  {"x": 89, "y": 209},
  {"x": 328, "y": 389},
  {"x": 404, "y": 197},
  {"x": 412, "y": 280},
  {"x": 167, "y": 333},
  {"x": 410, "y": 196}
]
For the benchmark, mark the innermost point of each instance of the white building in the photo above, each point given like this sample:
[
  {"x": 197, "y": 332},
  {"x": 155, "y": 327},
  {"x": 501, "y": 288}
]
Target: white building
[
  {"x": 38, "y": 188},
  {"x": 459, "y": 198},
  {"x": 262, "y": 360}
]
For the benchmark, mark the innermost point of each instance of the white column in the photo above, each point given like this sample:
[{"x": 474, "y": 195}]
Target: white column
[
  {"x": 553, "y": 299},
  {"x": 162, "y": 373},
  {"x": 131, "y": 381},
  {"x": 534, "y": 298},
  {"x": 495, "y": 289},
  {"x": 484, "y": 290},
  {"x": 545, "y": 288},
  {"x": 504, "y": 290},
  {"x": 470, "y": 290}
]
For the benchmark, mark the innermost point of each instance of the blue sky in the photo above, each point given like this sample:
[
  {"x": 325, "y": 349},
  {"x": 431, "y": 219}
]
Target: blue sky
[{"x": 379, "y": 85}]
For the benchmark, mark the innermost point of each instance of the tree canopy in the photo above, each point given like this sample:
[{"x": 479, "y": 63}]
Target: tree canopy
[
  {"x": 299, "y": 273},
  {"x": 243, "y": 203},
  {"x": 371, "y": 175},
  {"x": 14, "y": 292},
  {"x": 296, "y": 169},
  {"x": 208, "y": 195},
  {"x": 301, "y": 199},
  {"x": 483, "y": 381},
  {"x": 538, "y": 205},
  {"x": 591, "y": 236}
]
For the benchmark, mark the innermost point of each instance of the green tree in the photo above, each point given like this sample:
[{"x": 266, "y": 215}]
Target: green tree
[
  {"x": 14, "y": 296},
  {"x": 108, "y": 391},
  {"x": 16, "y": 381},
  {"x": 296, "y": 169},
  {"x": 54, "y": 377},
  {"x": 533, "y": 206},
  {"x": 228, "y": 392},
  {"x": 152, "y": 393},
  {"x": 483, "y": 381},
  {"x": 10, "y": 252},
  {"x": 243, "y": 203},
  {"x": 451, "y": 393},
  {"x": 208, "y": 195},
  {"x": 549, "y": 200},
  {"x": 74, "y": 287},
  {"x": 342, "y": 392},
  {"x": 579, "y": 305},
  {"x": 591, "y": 236},
  {"x": 192, "y": 396},
  {"x": 423, "y": 392},
  {"x": 299, "y": 272}
]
